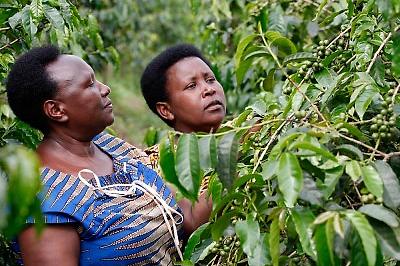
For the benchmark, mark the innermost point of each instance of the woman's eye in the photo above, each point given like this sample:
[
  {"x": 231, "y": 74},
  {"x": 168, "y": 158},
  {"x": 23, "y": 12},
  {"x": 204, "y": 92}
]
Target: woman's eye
[
  {"x": 191, "y": 86},
  {"x": 91, "y": 84},
  {"x": 211, "y": 79}
]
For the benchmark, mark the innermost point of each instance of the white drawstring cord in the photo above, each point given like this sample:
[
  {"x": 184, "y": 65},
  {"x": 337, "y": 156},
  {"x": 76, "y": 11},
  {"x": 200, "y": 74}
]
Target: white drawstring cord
[{"x": 166, "y": 210}]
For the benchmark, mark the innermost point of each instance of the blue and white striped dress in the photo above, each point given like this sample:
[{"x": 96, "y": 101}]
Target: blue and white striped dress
[{"x": 127, "y": 230}]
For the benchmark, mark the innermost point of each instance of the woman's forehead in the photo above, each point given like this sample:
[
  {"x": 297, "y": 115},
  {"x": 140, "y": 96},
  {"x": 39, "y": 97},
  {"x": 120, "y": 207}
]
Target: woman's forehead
[
  {"x": 189, "y": 66},
  {"x": 69, "y": 68}
]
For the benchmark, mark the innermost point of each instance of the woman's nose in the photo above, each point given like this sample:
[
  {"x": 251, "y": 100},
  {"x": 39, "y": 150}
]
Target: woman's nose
[
  {"x": 208, "y": 90},
  {"x": 104, "y": 89}
]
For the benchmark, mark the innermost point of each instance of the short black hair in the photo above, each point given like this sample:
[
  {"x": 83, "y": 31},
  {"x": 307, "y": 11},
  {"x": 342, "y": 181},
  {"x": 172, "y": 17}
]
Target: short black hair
[
  {"x": 29, "y": 85},
  {"x": 153, "y": 80}
]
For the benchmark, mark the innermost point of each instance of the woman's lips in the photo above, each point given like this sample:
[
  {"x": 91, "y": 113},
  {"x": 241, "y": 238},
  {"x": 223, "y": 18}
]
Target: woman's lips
[{"x": 213, "y": 105}]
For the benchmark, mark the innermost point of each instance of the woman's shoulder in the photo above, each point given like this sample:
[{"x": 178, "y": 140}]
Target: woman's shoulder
[{"x": 118, "y": 147}]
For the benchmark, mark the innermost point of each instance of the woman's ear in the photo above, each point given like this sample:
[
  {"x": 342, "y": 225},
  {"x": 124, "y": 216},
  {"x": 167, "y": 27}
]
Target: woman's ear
[
  {"x": 164, "y": 110},
  {"x": 54, "y": 110}
]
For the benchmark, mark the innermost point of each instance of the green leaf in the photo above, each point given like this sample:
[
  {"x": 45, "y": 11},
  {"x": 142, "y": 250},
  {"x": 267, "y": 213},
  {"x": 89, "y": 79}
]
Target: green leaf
[
  {"x": 36, "y": 7},
  {"x": 222, "y": 223},
  {"x": 381, "y": 213},
  {"x": 274, "y": 235},
  {"x": 348, "y": 149},
  {"x": 298, "y": 57},
  {"x": 353, "y": 130},
  {"x": 22, "y": 168},
  {"x": 167, "y": 164},
  {"x": 364, "y": 100},
  {"x": 208, "y": 152},
  {"x": 283, "y": 44},
  {"x": 353, "y": 169},
  {"x": 331, "y": 179},
  {"x": 290, "y": 178},
  {"x": 15, "y": 19},
  {"x": 54, "y": 17},
  {"x": 242, "y": 70},
  {"x": 194, "y": 240},
  {"x": 249, "y": 234},
  {"x": 322, "y": 239},
  {"x": 387, "y": 238},
  {"x": 283, "y": 142},
  {"x": 325, "y": 78},
  {"x": 396, "y": 54},
  {"x": 358, "y": 256},
  {"x": 366, "y": 233},
  {"x": 308, "y": 146},
  {"x": 391, "y": 185},
  {"x": 261, "y": 254},
  {"x": 241, "y": 47},
  {"x": 303, "y": 219},
  {"x": 320, "y": 7},
  {"x": 227, "y": 158},
  {"x": 350, "y": 8},
  {"x": 187, "y": 164},
  {"x": 372, "y": 180},
  {"x": 269, "y": 169},
  {"x": 378, "y": 72}
]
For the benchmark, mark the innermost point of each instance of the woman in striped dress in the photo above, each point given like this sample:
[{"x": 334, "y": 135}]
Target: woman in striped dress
[{"x": 101, "y": 205}]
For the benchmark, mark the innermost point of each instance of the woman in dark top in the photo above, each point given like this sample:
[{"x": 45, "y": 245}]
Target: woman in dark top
[{"x": 101, "y": 205}]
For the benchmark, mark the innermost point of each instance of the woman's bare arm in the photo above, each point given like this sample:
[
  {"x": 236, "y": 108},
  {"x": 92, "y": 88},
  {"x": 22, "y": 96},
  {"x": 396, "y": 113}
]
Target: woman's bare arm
[{"x": 56, "y": 245}]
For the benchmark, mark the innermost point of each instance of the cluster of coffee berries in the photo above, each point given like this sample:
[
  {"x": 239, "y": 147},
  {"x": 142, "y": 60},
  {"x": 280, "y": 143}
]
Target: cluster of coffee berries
[
  {"x": 367, "y": 197},
  {"x": 308, "y": 68},
  {"x": 300, "y": 114},
  {"x": 225, "y": 244},
  {"x": 383, "y": 124}
]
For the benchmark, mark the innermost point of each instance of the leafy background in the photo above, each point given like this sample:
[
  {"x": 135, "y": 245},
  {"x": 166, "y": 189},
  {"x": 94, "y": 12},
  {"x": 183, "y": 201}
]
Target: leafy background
[{"x": 304, "y": 171}]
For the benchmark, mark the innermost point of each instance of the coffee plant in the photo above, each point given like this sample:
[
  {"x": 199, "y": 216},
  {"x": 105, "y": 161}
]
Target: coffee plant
[{"x": 308, "y": 173}]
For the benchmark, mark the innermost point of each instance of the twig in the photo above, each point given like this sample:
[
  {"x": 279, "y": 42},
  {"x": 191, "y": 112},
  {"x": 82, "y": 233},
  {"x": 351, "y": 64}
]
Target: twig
[
  {"x": 391, "y": 154},
  {"x": 396, "y": 90},
  {"x": 362, "y": 144},
  {"x": 237, "y": 128},
  {"x": 378, "y": 51},
  {"x": 272, "y": 139},
  {"x": 361, "y": 122},
  {"x": 9, "y": 44},
  {"x": 5, "y": 28},
  {"x": 289, "y": 78},
  {"x": 338, "y": 37},
  {"x": 358, "y": 192},
  {"x": 292, "y": 254},
  {"x": 348, "y": 200},
  {"x": 376, "y": 148}
]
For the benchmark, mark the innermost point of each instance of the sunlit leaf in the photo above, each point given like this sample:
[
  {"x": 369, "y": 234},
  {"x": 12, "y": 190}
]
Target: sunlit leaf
[
  {"x": 290, "y": 178},
  {"x": 353, "y": 169},
  {"x": 187, "y": 164},
  {"x": 372, "y": 180},
  {"x": 303, "y": 219},
  {"x": 274, "y": 235}
]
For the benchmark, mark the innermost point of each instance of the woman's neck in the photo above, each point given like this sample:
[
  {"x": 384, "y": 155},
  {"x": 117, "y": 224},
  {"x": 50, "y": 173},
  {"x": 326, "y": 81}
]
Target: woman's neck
[{"x": 58, "y": 142}]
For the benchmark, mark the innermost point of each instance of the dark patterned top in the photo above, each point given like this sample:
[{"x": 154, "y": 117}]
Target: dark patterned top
[{"x": 125, "y": 230}]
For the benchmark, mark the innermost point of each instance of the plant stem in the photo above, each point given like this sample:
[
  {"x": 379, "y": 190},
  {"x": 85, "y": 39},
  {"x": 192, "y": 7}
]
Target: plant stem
[
  {"x": 338, "y": 37},
  {"x": 376, "y": 148},
  {"x": 288, "y": 77},
  {"x": 9, "y": 44},
  {"x": 362, "y": 144},
  {"x": 273, "y": 137},
  {"x": 378, "y": 51},
  {"x": 387, "y": 157},
  {"x": 236, "y": 128}
]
